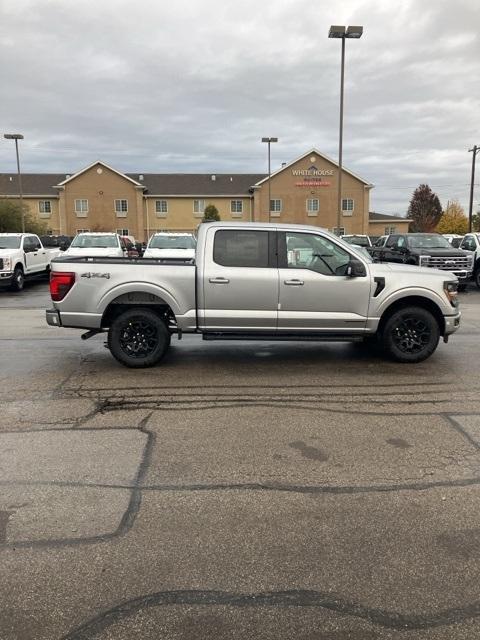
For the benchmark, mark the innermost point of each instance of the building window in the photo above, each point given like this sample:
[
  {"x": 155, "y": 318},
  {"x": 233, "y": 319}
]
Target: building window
[
  {"x": 83, "y": 230},
  {"x": 313, "y": 206},
  {"x": 275, "y": 207},
  {"x": 236, "y": 207},
  {"x": 347, "y": 206},
  {"x": 122, "y": 232},
  {"x": 45, "y": 207},
  {"x": 81, "y": 208},
  {"x": 338, "y": 231},
  {"x": 121, "y": 208},
  {"x": 389, "y": 230},
  {"x": 198, "y": 207},
  {"x": 161, "y": 208}
]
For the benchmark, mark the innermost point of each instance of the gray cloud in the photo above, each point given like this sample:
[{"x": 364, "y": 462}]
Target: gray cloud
[{"x": 193, "y": 86}]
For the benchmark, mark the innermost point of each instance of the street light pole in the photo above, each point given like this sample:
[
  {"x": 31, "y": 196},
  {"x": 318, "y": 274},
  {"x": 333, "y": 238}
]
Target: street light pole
[
  {"x": 17, "y": 137},
  {"x": 343, "y": 33},
  {"x": 269, "y": 141},
  {"x": 475, "y": 150}
]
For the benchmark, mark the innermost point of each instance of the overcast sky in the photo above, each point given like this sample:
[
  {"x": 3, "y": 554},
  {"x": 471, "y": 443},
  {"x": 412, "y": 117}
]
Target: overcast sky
[{"x": 192, "y": 86}]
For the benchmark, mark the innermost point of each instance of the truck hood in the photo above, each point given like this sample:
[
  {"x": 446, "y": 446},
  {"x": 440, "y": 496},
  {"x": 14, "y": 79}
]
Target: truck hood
[
  {"x": 416, "y": 273},
  {"x": 440, "y": 253},
  {"x": 169, "y": 253},
  {"x": 5, "y": 253},
  {"x": 95, "y": 252}
]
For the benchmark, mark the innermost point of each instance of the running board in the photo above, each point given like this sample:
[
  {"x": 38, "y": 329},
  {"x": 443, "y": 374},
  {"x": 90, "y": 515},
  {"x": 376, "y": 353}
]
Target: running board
[{"x": 294, "y": 337}]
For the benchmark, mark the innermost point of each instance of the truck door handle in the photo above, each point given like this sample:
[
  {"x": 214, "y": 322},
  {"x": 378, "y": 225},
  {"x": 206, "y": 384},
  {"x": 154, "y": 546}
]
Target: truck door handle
[
  {"x": 295, "y": 283},
  {"x": 219, "y": 280}
]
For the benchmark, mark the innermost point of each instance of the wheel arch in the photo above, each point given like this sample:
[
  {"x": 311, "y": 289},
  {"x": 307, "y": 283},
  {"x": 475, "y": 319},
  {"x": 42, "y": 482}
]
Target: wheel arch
[
  {"x": 133, "y": 299},
  {"x": 413, "y": 301}
]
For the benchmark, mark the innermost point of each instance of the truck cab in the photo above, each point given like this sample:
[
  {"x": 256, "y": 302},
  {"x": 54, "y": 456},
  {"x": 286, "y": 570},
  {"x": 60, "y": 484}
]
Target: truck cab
[{"x": 22, "y": 255}]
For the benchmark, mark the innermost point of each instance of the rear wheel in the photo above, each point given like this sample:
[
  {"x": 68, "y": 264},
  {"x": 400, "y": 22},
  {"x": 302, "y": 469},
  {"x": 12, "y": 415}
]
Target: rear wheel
[
  {"x": 138, "y": 338},
  {"x": 411, "y": 334},
  {"x": 18, "y": 280},
  {"x": 476, "y": 277}
]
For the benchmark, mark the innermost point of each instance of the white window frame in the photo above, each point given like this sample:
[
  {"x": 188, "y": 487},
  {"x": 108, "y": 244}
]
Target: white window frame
[
  {"x": 161, "y": 208},
  {"x": 81, "y": 209},
  {"x": 83, "y": 231},
  {"x": 45, "y": 208},
  {"x": 277, "y": 207},
  {"x": 121, "y": 207},
  {"x": 310, "y": 210},
  {"x": 342, "y": 231},
  {"x": 198, "y": 208},
  {"x": 236, "y": 207},
  {"x": 390, "y": 230},
  {"x": 120, "y": 232},
  {"x": 348, "y": 206}
]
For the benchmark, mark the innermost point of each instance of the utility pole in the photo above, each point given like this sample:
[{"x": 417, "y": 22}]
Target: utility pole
[{"x": 474, "y": 151}]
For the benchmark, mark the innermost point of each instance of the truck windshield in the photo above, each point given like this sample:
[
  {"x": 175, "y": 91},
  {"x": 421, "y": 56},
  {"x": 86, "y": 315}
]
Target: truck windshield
[
  {"x": 428, "y": 241},
  {"x": 172, "y": 242},
  {"x": 9, "y": 242},
  {"x": 95, "y": 242}
]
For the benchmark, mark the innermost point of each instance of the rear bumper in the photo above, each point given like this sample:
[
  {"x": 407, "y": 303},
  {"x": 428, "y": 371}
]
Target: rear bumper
[{"x": 53, "y": 318}]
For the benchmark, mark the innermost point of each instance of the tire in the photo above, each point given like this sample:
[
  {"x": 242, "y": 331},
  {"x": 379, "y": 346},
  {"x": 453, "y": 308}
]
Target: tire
[
  {"x": 463, "y": 287},
  {"x": 18, "y": 280},
  {"x": 410, "y": 335},
  {"x": 138, "y": 338},
  {"x": 476, "y": 277}
]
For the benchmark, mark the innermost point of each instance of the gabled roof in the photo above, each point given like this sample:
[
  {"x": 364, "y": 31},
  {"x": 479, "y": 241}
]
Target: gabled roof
[
  {"x": 103, "y": 164},
  {"x": 320, "y": 155},
  {"x": 197, "y": 184}
]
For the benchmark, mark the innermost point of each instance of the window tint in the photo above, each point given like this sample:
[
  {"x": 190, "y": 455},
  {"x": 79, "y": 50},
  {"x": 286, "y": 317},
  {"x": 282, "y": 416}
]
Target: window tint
[
  {"x": 238, "y": 248},
  {"x": 392, "y": 241},
  {"x": 314, "y": 252}
]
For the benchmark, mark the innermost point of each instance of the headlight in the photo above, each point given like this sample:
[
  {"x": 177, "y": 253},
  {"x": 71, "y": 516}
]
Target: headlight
[
  {"x": 424, "y": 260},
  {"x": 451, "y": 288},
  {"x": 7, "y": 264}
]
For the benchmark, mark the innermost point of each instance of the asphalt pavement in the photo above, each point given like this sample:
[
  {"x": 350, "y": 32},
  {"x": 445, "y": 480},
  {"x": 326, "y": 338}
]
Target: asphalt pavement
[{"x": 238, "y": 490}]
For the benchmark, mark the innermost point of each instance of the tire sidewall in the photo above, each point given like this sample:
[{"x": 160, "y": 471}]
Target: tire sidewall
[
  {"x": 18, "y": 281},
  {"x": 398, "y": 316},
  {"x": 119, "y": 324}
]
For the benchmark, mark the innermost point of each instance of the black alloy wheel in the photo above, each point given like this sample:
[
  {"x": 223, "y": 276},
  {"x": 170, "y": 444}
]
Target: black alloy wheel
[
  {"x": 138, "y": 338},
  {"x": 411, "y": 334}
]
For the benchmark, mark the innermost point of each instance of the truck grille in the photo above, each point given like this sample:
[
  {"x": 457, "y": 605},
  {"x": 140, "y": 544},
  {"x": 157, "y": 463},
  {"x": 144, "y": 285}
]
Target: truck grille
[
  {"x": 1, "y": 264},
  {"x": 464, "y": 263}
]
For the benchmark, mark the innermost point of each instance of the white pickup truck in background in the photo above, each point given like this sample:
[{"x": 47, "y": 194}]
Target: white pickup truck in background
[{"x": 22, "y": 255}]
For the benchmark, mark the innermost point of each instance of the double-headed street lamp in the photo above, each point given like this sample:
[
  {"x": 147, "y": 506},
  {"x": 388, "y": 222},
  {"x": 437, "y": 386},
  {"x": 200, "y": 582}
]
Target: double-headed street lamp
[
  {"x": 17, "y": 137},
  {"x": 269, "y": 141},
  {"x": 475, "y": 150},
  {"x": 343, "y": 33}
]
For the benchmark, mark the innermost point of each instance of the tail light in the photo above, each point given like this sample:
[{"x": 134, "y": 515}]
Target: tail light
[{"x": 60, "y": 284}]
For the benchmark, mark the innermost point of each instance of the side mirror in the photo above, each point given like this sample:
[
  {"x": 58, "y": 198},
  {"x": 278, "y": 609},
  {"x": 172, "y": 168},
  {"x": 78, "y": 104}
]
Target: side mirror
[{"x": 356, "y": 269}]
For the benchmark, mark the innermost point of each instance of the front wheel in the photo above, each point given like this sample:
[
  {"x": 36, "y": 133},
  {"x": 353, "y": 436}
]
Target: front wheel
[
  {"x": 410, "y": 335},
  {"x": 476, "y": 277},
  {"x": 138, "y": 338},
  {"x": 18, "y": 279}
]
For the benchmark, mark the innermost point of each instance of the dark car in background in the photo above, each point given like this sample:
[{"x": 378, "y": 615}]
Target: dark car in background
[{"x": 426, "y": 250}]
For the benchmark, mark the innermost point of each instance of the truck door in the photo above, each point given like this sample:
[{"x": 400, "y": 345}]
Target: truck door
[
  {"x": 31, "y": 254},
  {"x": 315, "y": 292},
  {"x": 239, "y": 287}
]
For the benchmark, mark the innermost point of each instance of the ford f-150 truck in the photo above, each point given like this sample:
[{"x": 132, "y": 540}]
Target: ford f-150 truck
[
  {"x": 425, "y": 250},
  {"x": 255, "y": 281},
  {"x": 22, "y": 255}
]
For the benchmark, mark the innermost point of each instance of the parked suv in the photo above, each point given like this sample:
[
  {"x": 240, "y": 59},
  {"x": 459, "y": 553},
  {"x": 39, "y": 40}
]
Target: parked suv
[{"x": 426, "y": 250}]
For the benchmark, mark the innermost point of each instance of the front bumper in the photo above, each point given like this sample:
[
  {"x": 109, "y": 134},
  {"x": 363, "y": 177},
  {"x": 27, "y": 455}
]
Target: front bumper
[
  {"x": 6, "y": 277},
  {"x": 53, "y": 318},
  {"x": 462, "y": 275},
  {"x": 452, "y": 323}
]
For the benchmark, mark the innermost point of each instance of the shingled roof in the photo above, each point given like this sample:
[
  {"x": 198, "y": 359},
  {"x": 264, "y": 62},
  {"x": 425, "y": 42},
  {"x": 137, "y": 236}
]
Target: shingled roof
[
  {"x": 33, "y": 184},
  {"x": 383, "y": 217},
  {"x": 197, "y": 184}
]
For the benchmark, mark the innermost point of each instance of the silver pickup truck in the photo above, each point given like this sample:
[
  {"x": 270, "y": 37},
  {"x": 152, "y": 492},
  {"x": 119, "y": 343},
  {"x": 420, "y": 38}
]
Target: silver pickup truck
[{"x": 255, "y": 282}]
